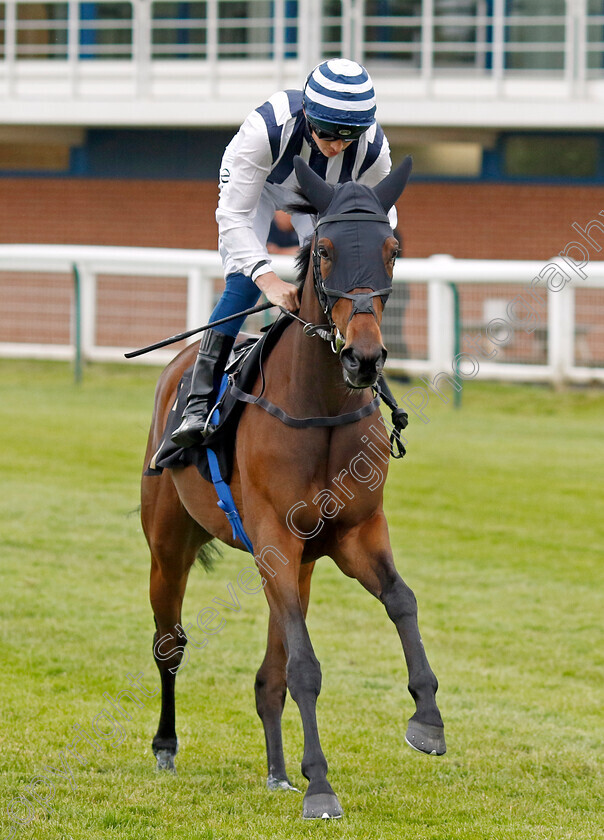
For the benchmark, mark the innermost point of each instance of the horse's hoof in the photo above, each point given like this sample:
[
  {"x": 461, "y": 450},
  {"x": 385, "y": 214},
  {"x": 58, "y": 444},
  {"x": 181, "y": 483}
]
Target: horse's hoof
[
  {"x": 426, "y": 738},
  {"x": 280, "y": 784},
  {"x": 165, "y": 760},
  {"x": 321, "y": 806}
]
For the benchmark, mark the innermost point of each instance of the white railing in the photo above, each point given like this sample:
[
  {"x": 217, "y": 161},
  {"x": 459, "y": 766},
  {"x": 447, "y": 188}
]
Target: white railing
[
  {"x": 431, "y": 35},
  {"x": 115, "y": 61},
  {"x": 563, "y": 345}
]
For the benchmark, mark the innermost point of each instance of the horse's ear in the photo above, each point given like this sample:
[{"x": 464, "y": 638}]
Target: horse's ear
[
  {"x": 393, "y": 185},
  {"x": 315, "y": 189}
]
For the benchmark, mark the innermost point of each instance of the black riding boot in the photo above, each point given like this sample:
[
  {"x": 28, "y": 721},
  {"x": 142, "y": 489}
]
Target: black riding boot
[{"x": 212, "y": 357}]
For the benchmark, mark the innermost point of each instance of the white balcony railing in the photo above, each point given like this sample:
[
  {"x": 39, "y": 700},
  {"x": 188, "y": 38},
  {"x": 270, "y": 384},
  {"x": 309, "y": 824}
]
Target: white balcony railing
[
  {"x": 440, "y": 306},
  {"x": 207, "y": 62}
]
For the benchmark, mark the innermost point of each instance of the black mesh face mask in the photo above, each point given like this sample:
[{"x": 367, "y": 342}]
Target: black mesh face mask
[{"x": 356, "y": 225}]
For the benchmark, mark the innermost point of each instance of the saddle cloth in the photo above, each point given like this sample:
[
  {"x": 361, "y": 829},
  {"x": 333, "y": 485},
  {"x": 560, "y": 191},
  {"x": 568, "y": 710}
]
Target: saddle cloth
[{"x": 243, "y": 371}]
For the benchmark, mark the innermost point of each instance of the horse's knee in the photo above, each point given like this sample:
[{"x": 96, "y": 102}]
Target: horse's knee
[
  {"x": 169, "y": 651},
  {"x": 399, "y": 600},
  {"x": 270, "y": 690},
  {"x": 303, "y": 675}
]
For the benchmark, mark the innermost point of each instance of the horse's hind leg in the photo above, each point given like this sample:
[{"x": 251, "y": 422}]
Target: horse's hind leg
[
  {"x": 174, "y": 539},
  {"x": 271, "y": 690},
  {"x": 366, "y": 555}
]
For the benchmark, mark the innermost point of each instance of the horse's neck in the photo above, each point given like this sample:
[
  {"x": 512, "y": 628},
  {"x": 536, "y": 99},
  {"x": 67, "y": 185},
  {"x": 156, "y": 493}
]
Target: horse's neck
[{"x": 315, "y": 383}]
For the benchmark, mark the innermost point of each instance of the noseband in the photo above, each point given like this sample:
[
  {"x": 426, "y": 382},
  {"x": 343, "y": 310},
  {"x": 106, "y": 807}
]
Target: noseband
[{"x": 362, "y": 302}]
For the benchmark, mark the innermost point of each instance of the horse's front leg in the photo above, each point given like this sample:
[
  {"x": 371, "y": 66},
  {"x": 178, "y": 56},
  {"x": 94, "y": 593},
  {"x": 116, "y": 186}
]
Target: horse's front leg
[
  {"x": 271, "y": 689},
  {"x": 279, "y": 564},
  {"x": 364, "y": 553}
]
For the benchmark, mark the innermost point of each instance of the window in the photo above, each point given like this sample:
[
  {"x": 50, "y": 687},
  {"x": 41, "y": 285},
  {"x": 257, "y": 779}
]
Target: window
[
  {"x": 106, "y": 30},
  {"x": 446, "y": 158},
  {"x": 179, "y": 29},
  {"x": 551, "y": 156},
  {"x": 41, "y": 30}
]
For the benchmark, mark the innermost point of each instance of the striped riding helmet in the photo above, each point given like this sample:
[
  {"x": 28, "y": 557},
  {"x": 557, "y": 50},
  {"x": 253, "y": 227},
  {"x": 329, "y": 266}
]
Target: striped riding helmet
[{"x": 339, "y": 100}]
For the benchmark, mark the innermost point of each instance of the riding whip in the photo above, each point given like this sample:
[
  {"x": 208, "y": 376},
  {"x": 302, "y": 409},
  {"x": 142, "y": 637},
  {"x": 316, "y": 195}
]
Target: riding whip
[{"x": 260, "y": 308}]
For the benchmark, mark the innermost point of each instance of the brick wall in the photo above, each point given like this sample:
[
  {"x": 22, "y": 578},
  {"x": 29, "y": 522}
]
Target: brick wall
[
  {"x": 172, "y": 214},
  {"x": 495, "y": 221},
  {"x": 501, "y": 221}
]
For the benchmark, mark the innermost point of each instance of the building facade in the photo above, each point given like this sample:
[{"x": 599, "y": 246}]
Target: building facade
[
  {"x": 114, "y": 117},
  {"x": 115, "y": 114}
]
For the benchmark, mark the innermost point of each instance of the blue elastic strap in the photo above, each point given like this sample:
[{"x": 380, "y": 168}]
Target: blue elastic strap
[{"x": 225, "y": 497}]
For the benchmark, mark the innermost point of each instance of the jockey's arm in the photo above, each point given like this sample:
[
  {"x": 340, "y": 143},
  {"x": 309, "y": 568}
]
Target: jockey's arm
[{"x": 245, "y": 167}]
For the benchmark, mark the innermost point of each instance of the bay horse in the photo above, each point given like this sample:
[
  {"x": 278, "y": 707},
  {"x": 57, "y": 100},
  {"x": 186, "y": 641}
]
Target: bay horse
[{"x": 279, "y": 477}]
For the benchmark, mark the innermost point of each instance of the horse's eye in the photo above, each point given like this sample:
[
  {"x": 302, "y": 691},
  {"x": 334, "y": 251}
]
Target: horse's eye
[{"x": 323, "y": 253}]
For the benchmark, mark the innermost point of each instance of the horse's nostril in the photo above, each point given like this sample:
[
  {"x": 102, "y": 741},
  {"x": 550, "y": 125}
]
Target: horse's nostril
[
  {"x": 350, "y": 360},
  {"x": 361, "y": 371}
]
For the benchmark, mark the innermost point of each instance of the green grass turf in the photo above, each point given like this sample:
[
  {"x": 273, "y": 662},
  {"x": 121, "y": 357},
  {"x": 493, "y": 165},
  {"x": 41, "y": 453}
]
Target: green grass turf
[{"x": 496, "y": 521}]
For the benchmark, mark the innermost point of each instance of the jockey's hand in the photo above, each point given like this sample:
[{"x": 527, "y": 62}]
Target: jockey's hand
[{"x": 278, "y": 291}]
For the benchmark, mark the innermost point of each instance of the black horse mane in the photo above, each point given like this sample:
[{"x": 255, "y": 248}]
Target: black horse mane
[
  {"x": 303, "y": 261},
  {"x": 302, "y": 205}
]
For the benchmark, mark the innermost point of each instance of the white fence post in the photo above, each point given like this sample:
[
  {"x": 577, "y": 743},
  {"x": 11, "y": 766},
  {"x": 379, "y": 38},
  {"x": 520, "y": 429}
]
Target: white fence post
[
  {"x": 561, "y": 332},
  {"x": 441, "y": 321},
  {"x": 199, "y": 298},
  {"x": 88, "y": 310}
]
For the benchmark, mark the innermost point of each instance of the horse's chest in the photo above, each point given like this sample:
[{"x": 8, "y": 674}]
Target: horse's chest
[{"x": 329, "y": 492}]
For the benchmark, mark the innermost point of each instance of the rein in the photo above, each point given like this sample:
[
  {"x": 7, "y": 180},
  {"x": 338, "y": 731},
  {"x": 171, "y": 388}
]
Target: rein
[{"x": 324, "y": 331}]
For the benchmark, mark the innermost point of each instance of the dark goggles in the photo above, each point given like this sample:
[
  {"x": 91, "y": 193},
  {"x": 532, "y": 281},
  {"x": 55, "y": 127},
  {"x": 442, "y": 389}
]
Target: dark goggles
[{"x": 346, "y": 133}]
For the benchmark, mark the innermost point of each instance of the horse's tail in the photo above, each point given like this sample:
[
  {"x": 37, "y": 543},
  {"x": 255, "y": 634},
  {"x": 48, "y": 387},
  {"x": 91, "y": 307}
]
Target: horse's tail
[{"x": 208, "y": 554}]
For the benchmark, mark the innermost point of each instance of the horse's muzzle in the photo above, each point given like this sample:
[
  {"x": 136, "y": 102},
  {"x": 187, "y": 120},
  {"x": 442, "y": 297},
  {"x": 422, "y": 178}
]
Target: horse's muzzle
[{"x": 360, "y": 369}]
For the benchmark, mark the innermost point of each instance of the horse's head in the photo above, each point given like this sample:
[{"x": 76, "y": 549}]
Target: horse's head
[{"x": 353, "y": 256}]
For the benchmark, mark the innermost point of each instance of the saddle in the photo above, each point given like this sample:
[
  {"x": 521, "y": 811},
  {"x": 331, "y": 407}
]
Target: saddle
[{"x": 241, "y": 372}]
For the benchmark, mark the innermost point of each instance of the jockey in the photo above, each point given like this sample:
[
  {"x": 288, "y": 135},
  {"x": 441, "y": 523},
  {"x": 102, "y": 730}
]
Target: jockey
[{"x": 331, "y": 125}]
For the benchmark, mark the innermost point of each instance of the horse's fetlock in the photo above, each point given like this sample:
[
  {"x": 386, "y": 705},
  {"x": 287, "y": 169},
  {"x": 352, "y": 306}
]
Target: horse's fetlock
[
  {"x": 423, "y": 685},
  {"x": 315, "y": 770},
  {"x": 160, "y": 743}
]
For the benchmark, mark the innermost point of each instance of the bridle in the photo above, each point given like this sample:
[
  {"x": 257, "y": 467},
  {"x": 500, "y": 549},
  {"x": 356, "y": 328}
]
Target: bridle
[{"x": 362, "y": 302}]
